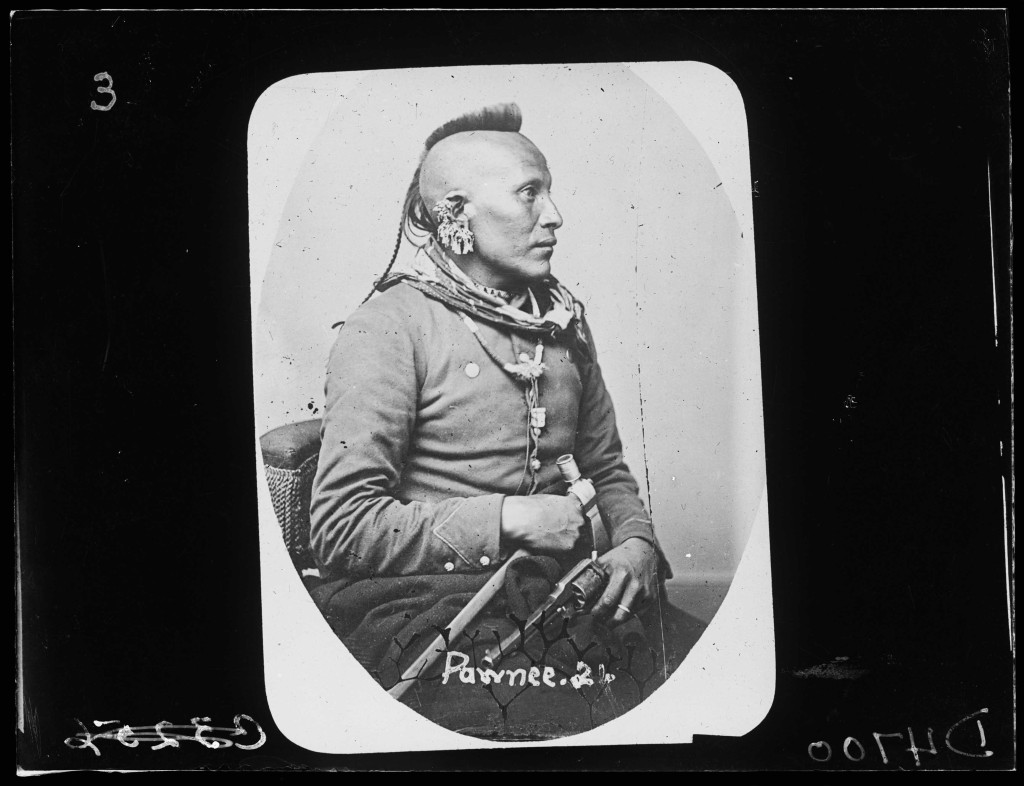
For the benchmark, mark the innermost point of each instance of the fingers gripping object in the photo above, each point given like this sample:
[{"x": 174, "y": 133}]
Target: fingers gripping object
[{"x": 576, "y": 589}]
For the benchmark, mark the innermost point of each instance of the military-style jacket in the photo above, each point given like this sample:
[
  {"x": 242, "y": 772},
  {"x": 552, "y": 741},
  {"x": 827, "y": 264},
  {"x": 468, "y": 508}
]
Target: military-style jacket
[{"x": 424, "y": 435}]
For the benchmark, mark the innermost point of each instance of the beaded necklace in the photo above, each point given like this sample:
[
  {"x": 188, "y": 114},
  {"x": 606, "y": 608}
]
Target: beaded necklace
[
  {"x": 528, "y": 371},
  {"x": 438, "y": 276}
]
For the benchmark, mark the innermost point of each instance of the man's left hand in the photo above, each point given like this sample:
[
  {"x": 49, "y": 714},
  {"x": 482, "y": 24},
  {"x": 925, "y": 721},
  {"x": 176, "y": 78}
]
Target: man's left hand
[{"x": 632, "y": 572}]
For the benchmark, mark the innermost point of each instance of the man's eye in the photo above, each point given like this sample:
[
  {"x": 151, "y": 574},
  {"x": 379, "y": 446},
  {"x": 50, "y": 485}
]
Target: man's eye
[{"x": 530, "y": 192}]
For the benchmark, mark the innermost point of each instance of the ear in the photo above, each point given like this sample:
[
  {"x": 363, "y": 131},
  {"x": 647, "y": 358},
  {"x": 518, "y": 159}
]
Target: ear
[{"x": 461, "y": 208}]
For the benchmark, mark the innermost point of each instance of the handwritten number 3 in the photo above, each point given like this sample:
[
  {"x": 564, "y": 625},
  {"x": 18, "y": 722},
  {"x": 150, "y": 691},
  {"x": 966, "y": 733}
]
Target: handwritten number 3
[{"x": 107, "y": 89}]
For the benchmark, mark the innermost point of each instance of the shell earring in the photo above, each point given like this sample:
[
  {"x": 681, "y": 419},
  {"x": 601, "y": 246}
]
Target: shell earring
[{"x": 450, "y": 232}]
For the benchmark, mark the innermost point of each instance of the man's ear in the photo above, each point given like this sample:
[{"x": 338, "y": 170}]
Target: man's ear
[{"x": 461, "y": 207}]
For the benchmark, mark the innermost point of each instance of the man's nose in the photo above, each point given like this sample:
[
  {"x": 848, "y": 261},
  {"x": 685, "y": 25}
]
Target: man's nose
[{"x": 550, "y": 218}]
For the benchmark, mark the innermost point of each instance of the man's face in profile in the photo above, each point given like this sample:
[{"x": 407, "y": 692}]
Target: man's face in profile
[{"x": 512, "y": 214}]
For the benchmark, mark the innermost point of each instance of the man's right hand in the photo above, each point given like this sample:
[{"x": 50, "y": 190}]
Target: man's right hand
[{"x": 543, "y": 523}]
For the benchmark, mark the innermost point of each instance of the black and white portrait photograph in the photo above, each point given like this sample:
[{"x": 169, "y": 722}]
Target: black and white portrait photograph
[
  {"x": 515, "y": 454},
  {"x": 513, "y": 390}
]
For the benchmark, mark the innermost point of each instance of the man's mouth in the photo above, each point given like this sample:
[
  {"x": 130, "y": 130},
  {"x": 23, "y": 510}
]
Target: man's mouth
[{"x": 546, "y": 243}]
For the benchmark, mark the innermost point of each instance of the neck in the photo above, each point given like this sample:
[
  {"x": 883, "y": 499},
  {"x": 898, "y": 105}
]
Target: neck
[{"x": 477, "y": 271}]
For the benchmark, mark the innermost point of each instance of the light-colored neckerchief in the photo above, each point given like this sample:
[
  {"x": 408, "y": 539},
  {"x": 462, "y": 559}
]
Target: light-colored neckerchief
[{"x": 434, "y": 266}]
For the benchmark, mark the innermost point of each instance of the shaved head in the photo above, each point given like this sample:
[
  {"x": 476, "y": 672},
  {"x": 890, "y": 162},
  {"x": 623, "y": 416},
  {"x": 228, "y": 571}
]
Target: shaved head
[
  {"x": 499, "y": 187},
  {"x": 465, "y": 161}
]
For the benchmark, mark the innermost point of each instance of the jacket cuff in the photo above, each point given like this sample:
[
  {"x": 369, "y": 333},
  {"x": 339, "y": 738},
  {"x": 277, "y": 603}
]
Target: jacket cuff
[
  {"x": 644, "y": 531},
  {"x": 633, "y": 528},
  {"x": 471, "y": 534}
]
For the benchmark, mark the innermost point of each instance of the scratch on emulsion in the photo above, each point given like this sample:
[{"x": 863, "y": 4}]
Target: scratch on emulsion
[{"x": 639, "y": 342}]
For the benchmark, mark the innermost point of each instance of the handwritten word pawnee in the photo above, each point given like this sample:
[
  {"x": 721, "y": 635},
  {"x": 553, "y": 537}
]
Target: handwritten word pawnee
[{"x": 458, "y": 663}]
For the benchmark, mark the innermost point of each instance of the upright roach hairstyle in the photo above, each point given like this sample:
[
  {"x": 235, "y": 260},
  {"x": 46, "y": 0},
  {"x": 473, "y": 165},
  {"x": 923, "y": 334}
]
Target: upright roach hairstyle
[{"x": 417, "y": 222}]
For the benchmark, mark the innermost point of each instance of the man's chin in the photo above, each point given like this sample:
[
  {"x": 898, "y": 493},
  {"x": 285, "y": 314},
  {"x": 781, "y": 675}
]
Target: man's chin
[
  {"x": 533, "y": 273},
  {"x": 540, "y": 272}
]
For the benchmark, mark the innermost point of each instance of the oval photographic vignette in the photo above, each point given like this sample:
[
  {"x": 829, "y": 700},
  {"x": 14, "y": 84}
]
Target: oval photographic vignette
[{"x": 626, "y": 335}]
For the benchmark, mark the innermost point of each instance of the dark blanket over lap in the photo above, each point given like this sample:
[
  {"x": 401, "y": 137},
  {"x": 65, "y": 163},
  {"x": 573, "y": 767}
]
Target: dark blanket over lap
[{"x": 594, "y": 672}]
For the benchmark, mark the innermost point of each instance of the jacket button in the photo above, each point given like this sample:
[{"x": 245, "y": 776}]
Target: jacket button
[
  {"x": 485, "y": 560},
  {"x": 449, "y": 566},
  {"x": 472, "y": 370}
]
